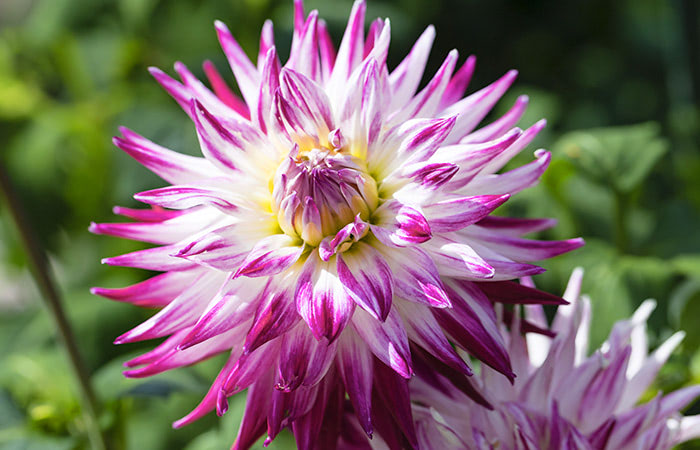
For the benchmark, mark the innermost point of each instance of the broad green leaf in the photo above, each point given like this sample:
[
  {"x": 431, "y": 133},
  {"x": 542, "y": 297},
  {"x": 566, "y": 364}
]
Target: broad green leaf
[{"x": 620, "y": 157}]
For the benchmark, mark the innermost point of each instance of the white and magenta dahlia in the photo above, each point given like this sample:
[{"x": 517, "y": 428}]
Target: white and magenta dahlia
[
  {"x": 336, "y": 232},
  {"x": 562, "y": 397}
]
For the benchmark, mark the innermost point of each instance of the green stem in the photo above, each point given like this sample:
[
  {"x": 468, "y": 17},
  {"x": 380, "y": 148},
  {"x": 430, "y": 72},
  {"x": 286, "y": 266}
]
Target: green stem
[{"x": 37, "y": 261}]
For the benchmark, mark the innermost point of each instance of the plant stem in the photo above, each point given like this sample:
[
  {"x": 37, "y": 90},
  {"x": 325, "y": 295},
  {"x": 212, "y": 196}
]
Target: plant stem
[{"x": 39, "y": 267}]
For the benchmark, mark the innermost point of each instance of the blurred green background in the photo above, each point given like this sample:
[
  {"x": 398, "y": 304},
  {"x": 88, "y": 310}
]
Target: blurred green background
[{"x": 619, "y": 83}]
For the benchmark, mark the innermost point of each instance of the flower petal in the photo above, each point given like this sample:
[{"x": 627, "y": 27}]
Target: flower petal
[
  {"x": 158, "y": 259},
  {"x": 455, "y": 259},
  {"x": 168, "y": 231},
  {"x": 304, "y": 55},
  {"x": 275, "y": 314},
  {"x": 270, "y": 256},
  {"x": 426, "y": 102},
  {"x": 231, "y": 307},
  {"x": 304, "y": 359},
  {"x": 472, "y": 324},
  {"x": 394, "y": 391},
  {"x": 456, "y": 213},
  {"x": 423, "y": 329},
  {"x": 415, "y": 276},
  {"x": 155, "y": 292},
  {"x": 356, "y": 366},
  {"x": 350, "y": 51},
  {"x": 245, "y": 72},
  {"x": 367, "y": 276},
  {"x": 305, "y": 109},
  {"x": 270, "y": 73},
  {"x": 171, "y": 166},
  {"x": 458, "y": 84},
  {"x": 322, "y": 299},
  {"x": 396, "y": 224},
  {"x": 472, "y": 109},
  {"x": 405, "y": 78},
  {"x": 387, "y": 340},
  {"x": 180, "y": 313},
  {"x": 188, "y": 196},
  {"x": 223, "y": 92}
]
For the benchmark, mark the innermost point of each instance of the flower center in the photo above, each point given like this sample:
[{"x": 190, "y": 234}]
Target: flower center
[{"x": 318, "y": 191}]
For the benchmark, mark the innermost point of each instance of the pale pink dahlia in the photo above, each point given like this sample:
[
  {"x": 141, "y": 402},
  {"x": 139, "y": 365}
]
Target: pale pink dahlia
[
  {"x": 336, "y": 231},
  {"x": 563, "y": 398}
]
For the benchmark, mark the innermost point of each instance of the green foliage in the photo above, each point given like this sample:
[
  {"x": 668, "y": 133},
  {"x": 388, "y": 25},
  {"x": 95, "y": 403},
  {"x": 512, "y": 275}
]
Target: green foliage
[
  {"x": 619, "y": 157},
  {"x": 72, "y": 71}
]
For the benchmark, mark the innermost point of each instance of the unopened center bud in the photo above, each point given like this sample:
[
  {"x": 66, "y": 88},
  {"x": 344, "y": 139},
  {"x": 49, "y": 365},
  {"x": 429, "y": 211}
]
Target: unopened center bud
[{"x": 319, "y": 191}]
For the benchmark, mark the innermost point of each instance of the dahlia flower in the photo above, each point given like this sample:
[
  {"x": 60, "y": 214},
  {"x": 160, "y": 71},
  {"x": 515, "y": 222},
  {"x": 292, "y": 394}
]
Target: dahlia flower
[
  {"x": 562, "y": 398},
  {"x": 336, "y": 232}
]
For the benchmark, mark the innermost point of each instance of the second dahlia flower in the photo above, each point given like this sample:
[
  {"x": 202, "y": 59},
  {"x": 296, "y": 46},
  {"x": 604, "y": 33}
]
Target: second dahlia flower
[
  {"x": 336, "y": 232},
  {"x": 563, "y": 398}
]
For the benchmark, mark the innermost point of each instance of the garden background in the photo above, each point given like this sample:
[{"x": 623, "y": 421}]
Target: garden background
[{"x": 618, "y": 81}]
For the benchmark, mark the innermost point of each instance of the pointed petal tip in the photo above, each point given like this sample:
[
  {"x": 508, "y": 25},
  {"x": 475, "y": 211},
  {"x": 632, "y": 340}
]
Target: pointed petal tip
[
  {"x": 220, "y": 26},
  {"x": 179, "y": 65},
  {"x": 539, "y": 125},
  {"x": 157, "y": 73},
  {"x": 576, "y": 243}
]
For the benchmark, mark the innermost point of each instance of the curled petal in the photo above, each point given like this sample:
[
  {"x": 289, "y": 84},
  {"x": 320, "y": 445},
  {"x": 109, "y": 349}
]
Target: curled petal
[
  {"x": 398, "y": 225},
  {"x": 304, "y": 360}
]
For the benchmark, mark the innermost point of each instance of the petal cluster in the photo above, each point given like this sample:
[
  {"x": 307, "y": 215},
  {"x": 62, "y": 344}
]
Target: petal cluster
[
  {"x": 336, "y": 237},
  {"x": 563, "y": 397}
]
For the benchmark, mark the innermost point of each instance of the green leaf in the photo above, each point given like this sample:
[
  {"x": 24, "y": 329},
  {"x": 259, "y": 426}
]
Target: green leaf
[
  {"x": 689, "y": 318},
  {"x": 687, "y": 264},
  {"x": 620, "y": 157}
]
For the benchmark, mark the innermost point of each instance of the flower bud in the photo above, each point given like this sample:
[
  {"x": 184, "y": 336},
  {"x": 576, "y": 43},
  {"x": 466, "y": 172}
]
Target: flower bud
[{"x": 318, "y": 192}]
